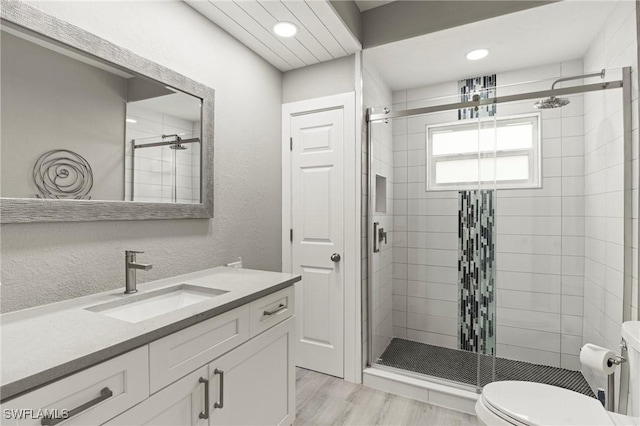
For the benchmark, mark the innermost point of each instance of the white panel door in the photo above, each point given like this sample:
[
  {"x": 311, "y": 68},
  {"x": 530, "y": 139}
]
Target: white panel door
[{"x": 318, "y": 239}]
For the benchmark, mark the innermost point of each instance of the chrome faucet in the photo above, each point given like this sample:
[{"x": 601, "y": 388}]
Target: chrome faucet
[{"x": 130, "y": 270}]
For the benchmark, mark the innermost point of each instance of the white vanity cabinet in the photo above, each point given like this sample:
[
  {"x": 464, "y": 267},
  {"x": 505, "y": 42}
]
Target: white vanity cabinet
[
  {"x": 235, "y": 368},
  {"x": 253, "y": 383}
]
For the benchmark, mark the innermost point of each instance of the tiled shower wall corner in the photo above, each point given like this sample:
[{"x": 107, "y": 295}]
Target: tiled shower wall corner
[
  {"x": 539, "y": 233},
  {"x": 154, "y": 166},
  {"x": 377, "y": 94},
  {"x": 614, "y": 47}
]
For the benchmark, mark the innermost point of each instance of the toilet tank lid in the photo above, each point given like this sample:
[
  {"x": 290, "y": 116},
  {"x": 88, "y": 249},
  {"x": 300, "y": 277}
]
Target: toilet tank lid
[{"x": 631, "y": 334}]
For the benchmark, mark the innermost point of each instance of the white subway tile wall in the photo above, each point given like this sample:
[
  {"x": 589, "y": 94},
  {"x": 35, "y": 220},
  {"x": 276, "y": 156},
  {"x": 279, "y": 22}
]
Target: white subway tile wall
[
  {"x": 613, "y": 48},
  {"x": 151, "y": 174},
  {"x": 540, "y": 233}
]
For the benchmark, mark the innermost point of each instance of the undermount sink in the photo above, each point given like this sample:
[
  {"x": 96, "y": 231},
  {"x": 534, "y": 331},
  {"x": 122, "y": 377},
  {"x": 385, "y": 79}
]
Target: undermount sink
[{"x": 155, "y": 303}]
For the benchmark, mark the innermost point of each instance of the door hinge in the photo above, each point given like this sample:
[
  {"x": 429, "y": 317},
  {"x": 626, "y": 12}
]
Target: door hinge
[
  {"x": 291, "y": 144},
  {"x": 291, "y": 235}
]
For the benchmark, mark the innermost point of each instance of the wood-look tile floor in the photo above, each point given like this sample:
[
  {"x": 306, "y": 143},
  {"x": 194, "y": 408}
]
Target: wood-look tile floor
[{"x": 327, "y": 400}]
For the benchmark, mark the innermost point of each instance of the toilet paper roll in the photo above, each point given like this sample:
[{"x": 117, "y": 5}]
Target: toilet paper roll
[{"x": 597, "y": 358}]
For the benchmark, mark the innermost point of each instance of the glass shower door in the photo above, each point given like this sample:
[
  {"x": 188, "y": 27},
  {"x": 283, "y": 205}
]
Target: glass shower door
[{"x": 418, "y": 322}]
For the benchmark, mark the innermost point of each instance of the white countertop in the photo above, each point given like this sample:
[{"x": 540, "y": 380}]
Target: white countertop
[{"x": 46, "y": 343}]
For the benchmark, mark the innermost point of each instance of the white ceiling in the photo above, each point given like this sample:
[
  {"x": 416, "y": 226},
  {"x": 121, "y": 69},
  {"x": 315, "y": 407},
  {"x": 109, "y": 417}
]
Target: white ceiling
[
  {"x": 542, "y": 35},
  {"x": 371, "y": 4},
  {"x": 321, "y": 34}
]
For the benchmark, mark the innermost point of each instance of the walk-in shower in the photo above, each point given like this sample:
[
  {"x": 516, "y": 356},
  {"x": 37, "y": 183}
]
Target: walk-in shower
[{"x": 496, "y": 237}]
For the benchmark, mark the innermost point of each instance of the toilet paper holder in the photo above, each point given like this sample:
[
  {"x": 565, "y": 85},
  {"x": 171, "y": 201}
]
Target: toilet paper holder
[
  {"x": 605, "y": 361},
  {"x": 611, "y": 380}
]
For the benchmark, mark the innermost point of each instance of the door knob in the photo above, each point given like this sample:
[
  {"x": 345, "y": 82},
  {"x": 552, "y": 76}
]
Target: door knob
[{"x": 335, "y": 257}]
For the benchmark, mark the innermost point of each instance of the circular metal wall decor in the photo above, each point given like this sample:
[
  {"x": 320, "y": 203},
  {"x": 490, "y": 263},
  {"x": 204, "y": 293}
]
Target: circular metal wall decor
[{"x": 63, "y": 174}]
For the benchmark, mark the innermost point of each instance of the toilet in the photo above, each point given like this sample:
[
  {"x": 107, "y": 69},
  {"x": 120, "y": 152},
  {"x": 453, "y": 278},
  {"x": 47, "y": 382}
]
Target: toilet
[{"x": 533, "y": 404}]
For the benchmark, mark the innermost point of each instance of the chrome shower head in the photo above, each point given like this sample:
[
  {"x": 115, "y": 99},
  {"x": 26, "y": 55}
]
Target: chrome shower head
[
  {"x": 551, "y": 102},
  {"x": 175, "y": 145}
]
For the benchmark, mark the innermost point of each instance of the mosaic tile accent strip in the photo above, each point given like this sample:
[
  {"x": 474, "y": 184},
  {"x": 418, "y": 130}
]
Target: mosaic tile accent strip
[
  {"x": 476, "y": 235},
  {"x": 476, "y": 271},
  {"x": 462, "y": 366},
  {"x": 485, "y": 87}
]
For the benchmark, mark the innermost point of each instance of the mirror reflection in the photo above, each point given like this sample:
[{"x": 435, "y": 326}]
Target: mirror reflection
[{"x": 77, "y": 128}]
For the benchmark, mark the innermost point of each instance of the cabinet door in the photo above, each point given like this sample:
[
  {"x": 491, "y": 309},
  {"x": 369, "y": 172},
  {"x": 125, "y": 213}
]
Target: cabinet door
[
  {"x": 178, "y": 404},
  {"x": 255, "y": 383}
]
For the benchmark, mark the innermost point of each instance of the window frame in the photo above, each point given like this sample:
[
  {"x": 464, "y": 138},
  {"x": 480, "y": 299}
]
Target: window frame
[{"x": 534, "y": 155}]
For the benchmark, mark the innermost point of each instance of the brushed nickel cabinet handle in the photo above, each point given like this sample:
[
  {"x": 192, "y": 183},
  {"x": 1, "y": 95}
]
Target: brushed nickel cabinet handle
[
  {"x": 105, "y": 393},
  {"x": 205, "y": 414},
  {"x": 280, "y": 307},
  {"x": 220, "y": 402}
]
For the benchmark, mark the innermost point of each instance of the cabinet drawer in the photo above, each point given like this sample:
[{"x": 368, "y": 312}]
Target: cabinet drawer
[
  {"x": 92, "y": 396},
  {"x": 178, "y": 354},
  {"x": 271, "y": 310}
]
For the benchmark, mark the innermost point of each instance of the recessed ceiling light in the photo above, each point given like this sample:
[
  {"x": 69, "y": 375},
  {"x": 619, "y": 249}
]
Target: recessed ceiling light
[
  {"x": 474, "y": 55},
  {"x": 131, "y": 120},
  {"x": 285, "y": 29}
]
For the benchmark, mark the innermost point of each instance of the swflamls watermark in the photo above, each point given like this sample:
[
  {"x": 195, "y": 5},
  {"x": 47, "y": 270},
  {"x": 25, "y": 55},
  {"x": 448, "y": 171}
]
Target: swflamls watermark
[{"x": 30, "y": 413}]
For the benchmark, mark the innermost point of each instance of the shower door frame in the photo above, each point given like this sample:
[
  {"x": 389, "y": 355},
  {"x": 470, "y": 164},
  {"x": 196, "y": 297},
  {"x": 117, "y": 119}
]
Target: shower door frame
[
  {"x": 371, "y": 118},
  {"x": 134, "y": 146}
]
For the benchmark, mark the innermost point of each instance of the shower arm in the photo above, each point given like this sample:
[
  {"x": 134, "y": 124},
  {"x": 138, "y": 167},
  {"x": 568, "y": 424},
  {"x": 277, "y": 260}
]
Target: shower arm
[{"x": 575, "y": 77}]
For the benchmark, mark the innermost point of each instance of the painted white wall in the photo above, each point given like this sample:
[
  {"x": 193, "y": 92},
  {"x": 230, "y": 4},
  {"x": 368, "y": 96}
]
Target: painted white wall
[
  {"x": 323, "y": 79},
  {"x": 53, "y": 99},
  {"x": 44, "y": 263},
  {"x": 614, "y": 47}
]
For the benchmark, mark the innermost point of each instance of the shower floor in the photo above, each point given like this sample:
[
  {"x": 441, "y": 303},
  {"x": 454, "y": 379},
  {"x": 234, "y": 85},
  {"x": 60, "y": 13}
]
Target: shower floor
[{"x": 461, "y": 366}]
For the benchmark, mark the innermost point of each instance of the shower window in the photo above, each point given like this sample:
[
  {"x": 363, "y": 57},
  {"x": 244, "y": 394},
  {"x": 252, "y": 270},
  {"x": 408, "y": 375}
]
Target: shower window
[{"x": 502, "y": 150}]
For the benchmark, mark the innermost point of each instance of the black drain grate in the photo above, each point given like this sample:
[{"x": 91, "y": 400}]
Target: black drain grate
[{"x": 461, "y": 366}]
